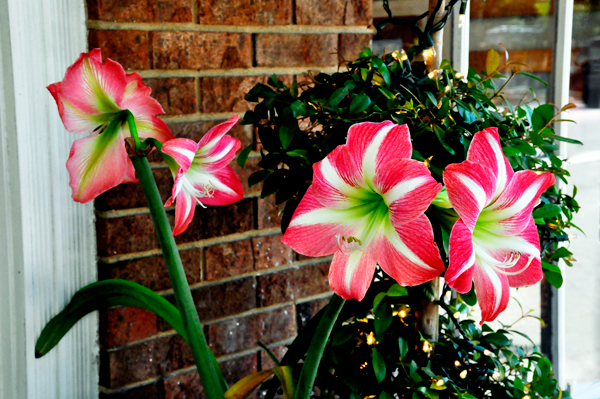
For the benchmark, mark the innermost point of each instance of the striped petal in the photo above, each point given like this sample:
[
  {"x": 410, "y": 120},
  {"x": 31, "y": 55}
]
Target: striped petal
[
  {"x": 185, "y": 206},
  {"x": 313, "y": 228},
  {"x": 337, "y": 181},
  {"x": 212, "y": 137},
  {"x": 407, "y": 188},
  {"x": 136, "y": 98},
  {"x": 492, "y": 292},
  {"x": 511, "y": 212},
  {"x": 226, "y": 185},
  {"x": 470, "y": 188},
  {"x": 461, "y": 258},
  {"x": 97, "y": 163},
  {"x": 409, "y": 254},
  {"x": 219, "y": 155},
  {"x": 351, "y": 274},
  {"x": 94, "y": 87},
  {"x": 485, "y": 149},
  {"x": 182, "y": 151},
  {"x": 373, "y": 145}
]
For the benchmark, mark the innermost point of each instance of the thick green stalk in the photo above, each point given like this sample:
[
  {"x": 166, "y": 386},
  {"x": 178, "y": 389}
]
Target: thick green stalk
[{"x": 317, "y": 347}]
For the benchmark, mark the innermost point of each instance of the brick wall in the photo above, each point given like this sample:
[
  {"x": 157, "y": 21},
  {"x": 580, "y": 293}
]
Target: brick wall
[{"x": 200, "y": 58}]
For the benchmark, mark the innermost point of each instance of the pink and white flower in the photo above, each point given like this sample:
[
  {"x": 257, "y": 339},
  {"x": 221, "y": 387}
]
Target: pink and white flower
[
  {"x": 202, "y": 172},
  {"x": 89, "y": 98},
  {"x": 495, "y": 241},
  {"x": 366, "y": 206}
]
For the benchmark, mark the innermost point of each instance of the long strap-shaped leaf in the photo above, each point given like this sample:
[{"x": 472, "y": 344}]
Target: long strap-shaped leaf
[
  {"x": 103, "y": 295},
  {"x": 317, "y": 347}
]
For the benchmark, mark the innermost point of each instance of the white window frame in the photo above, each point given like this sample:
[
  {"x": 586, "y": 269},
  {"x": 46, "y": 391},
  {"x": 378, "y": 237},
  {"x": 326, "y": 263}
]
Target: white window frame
[{"x": 47, "y": 242}]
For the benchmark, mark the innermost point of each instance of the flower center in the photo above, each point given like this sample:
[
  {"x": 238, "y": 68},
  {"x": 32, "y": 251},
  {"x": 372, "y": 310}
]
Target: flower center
[
  {"x": 510, "y": 260},
  {"x": 348, "y": 245}
]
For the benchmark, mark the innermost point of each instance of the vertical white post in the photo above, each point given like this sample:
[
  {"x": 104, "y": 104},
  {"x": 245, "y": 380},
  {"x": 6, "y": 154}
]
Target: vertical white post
[
  {"x": 560, "y": 97},
  {"x": 47, "y": 242},
  {"x": 460, "y": 39}
]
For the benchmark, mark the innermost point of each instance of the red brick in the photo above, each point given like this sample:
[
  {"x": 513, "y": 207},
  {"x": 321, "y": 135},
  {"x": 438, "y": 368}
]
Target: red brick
[
  {"x": 226, "y": 94},
  {"x": 231, "y": 259},
  {"x": 266, "y": 362},
  {"x": 152, "y": 272},
  {"x": 153, "y": 390},
  {"x": 270, "y": 252},
  {"x": 296, "y": 50},
  {"x": 136, "y": 233},
  {"x": 146, "y": 360},
  {"x": 334, "y": 12},
  {"x": 307, "y": 310},
  {"x": 508, "y": 8},
  {"x": 244, "y": 12},
  {"x": 351, "y": 44},
  {"x": 176, "y": 95},
  {"x": 130, "y": 195},
  {"x": 127, "y": 47},
  {"x": 140, "y": 10},
  {"x": 293, "y": 284},
  {"x": 196, "y": 130},
  {"x": 123, "y": 325},
  {"x": 243, "y": 333},
  {"x": 268, "y": 212},
  {"x": 226, "y": 299},
  {"x": 198, "y": 50}
]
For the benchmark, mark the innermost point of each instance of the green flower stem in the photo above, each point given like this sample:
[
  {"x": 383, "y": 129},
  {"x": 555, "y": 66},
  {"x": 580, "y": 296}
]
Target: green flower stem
[
  {"x": 133, "y": 129},
  {"x": 317, "y": 347}
]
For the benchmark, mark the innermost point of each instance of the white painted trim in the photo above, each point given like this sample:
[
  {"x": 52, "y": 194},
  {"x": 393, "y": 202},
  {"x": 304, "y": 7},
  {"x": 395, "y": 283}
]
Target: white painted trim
[
  {"x": 460, "y": 39},
  {"x": 560, "y": 97},
  {"x": 47, "y": 242}
]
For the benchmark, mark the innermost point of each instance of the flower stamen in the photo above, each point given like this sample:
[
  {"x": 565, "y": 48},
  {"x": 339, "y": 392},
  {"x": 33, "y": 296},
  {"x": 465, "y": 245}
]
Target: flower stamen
[
  {"x": 511, "y": 261},
  {"x": 348, "y": 245}
]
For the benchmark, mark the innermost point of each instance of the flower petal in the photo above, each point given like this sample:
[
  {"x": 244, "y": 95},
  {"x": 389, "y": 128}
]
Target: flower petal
[
  {"x": 492, "y": 292},
  {"x": 372, "y": 145},
  {"x": 409, "y": 254},
  {"x": 350, "y": 275},
  {"x": 212, "y": 137},
  {"x": 511, "y": 212},
  {"x": 182, "y": 151},
  {"x": 97, "y": 163},
  {"x": 150, "y": 126},
  {"x": 227, "y": 187},
  {"x": 219, "y": 155},
  {"x": 470, "y": 188},
  {"x": 407, "y": 188},
  {"x": 485, "y": 149},
  {"x": 94, "y": 87},
  {"x": 526, "y": 244},
  {"x": 313, "y": 228},
  {"x": 461, "y": 259},
  {"x": 185, "y": 206},
  {"x": 337, "y": 181},
  {"x": 136, "y": 98}
]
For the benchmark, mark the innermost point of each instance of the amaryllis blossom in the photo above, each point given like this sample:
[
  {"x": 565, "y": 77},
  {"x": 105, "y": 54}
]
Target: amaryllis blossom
[
  {"x": 202, "y": 172},
  {"x": 495, "y": 241},
  {"x": 366, "y": 206},
  {"x": 90, "y": 96}
]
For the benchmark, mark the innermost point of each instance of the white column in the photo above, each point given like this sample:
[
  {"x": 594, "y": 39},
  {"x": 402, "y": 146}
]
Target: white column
[
  {"x": 47, "y": 242},
  {"x": 560, "y": 97},
  {"x": 460, "y": 39}
]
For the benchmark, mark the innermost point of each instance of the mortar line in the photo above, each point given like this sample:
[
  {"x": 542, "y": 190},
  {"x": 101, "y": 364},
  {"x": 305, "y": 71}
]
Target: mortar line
[
  {"x": 218, "y": 72},
  {"x": 193, "y": 27}
]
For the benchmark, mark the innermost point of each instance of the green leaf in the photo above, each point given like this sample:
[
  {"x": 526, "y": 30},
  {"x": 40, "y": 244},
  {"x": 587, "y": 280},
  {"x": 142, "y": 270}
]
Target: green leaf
[
  {"x": 243, "y": 156},
  {"x": 359, "y": 103},
  {"x": 244, "y": 387},
  {"x": 492, "y": 61},
  {"x": 551, "y": 267},
  {"x": 532, "y": 76},
  {"x": 397, "y": 290},
  {"x": 541, "y": 116},
  {"x": 403, "y": 346},
  {"x": 383, "y": 319},
  {"x": 565, "y": 139},
  {"x": 104, "y": 295},
  {"x": 561, "y": 252},
  {"x": 378, "y": 298},
  {"x": 338, "y": 96},
  {"x": 547, "y": 211},
  {"x": 286, "y": 135},
  {"x": 257, "y": 177},
  {"x": 470, "y": 298},
  {"x": 497, "y": 339},
  {"x": 298, "y": 108},
  {"x": 439, "y": 132},
  {"x": 383, "y": 70},
  {"x": 511, "y": 151},
  {"x": 385, "y": 395},
  {"x": 556, "y": 279},
  {"x": 378, "y": 365}
]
